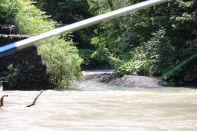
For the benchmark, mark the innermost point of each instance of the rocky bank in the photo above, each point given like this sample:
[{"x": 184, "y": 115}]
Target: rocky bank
[{"x": 130, "y": 80}]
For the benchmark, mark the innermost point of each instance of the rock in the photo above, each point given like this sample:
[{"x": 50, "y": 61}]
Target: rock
[
  {"x": 138, "y": 81},
  {"x": 106, "y": 77},
  {"x": 127, "y": 80}
]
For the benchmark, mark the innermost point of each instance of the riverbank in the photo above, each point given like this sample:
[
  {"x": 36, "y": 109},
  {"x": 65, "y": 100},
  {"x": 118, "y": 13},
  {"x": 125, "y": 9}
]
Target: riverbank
[{"x": 107, "y": 76}]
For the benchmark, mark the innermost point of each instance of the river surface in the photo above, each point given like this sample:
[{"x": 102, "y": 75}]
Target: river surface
[{"x": 91, "y": 106}]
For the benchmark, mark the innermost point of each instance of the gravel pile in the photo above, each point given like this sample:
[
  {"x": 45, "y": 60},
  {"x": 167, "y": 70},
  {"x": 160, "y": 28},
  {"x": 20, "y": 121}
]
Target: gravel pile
[{"x": 133, "y": 81}]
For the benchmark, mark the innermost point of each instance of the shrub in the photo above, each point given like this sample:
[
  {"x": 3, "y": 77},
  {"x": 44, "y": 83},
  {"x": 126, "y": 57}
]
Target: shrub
[
  {"x": 133, "y": 68},
  {"x": 62, "y": 60},
  {"x": 159, "y": 52},
  {"x": 102, "y": 53},
  {"x": 11, "y": 75},
  {"x": 86, "y": 54}
]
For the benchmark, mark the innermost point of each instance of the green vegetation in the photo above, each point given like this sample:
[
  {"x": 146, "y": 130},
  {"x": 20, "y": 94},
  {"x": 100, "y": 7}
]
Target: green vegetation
[
  {"x": 27, "y": 18},
  {"x": 60, "y": 56},
  {"x": 150, "y": 42},
  {"x": 86, "y": 55},
  {"x": 63, "y": 62},
  {"x": 66, "y": 12}
]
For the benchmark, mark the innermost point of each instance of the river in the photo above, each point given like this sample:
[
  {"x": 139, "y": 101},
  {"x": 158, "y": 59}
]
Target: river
[{"x": 90, "y": 106}]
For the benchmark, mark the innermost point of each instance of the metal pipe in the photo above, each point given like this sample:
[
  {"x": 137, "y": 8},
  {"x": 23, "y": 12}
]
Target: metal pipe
[{"x": 77, "y": 26}]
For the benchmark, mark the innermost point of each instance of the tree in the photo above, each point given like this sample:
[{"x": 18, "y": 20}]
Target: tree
[
  {"x": 63, "y": 62},
  {"x": 139, "y": 37},
  {"x": 60, "y": 56},
  {"x": 67, "y": 12}
]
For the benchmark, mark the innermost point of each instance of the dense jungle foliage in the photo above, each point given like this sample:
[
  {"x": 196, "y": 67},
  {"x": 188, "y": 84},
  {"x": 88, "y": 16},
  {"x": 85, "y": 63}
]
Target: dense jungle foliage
[{"x": 158, "y": 41}]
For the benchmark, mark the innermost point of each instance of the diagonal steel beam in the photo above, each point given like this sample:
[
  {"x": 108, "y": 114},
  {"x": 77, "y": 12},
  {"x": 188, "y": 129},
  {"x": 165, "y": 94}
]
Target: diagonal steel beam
[{"x": 77, "y": 26}]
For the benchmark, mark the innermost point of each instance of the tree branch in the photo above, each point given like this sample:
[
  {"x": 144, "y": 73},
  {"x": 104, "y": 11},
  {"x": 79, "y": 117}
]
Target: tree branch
[
  {"x": 1, "y": 101},
  {"x": 34, "y": 102}
]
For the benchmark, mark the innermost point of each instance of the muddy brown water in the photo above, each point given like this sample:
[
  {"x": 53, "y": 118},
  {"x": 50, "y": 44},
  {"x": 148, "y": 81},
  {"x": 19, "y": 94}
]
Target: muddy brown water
[{"x": 91, "y": 106}]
